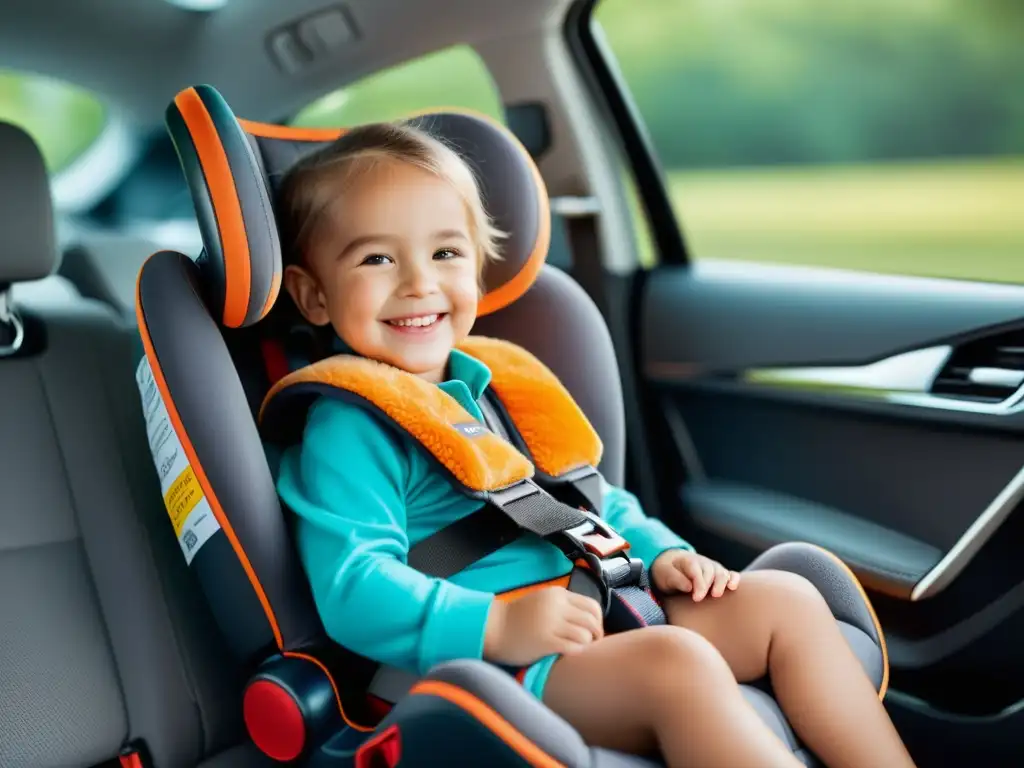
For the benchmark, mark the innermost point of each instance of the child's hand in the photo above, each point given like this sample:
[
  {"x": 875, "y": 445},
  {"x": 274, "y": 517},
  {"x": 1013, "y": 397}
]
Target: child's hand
[
  {"x": 539, "y": 624},
  {"x": 680, "y": 571}
]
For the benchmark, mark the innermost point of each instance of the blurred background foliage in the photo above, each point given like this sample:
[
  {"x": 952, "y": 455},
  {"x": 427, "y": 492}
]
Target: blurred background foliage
[{"x": 873, "y": 135}]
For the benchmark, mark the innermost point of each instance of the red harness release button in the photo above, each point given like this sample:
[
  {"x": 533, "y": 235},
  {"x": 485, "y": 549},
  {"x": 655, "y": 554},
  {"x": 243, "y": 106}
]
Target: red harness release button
[{"x": 274, "y": 721}]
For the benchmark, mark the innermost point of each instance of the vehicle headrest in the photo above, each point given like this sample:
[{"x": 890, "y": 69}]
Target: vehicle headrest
[
  {"x": 234, "y": 167},
  {"x": 28, "y": 250}
]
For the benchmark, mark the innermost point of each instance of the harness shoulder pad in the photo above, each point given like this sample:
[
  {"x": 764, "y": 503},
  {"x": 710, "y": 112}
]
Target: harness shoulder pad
[
  {"x": 474, "y": 456},
  {"x": 554, "y": 428}
]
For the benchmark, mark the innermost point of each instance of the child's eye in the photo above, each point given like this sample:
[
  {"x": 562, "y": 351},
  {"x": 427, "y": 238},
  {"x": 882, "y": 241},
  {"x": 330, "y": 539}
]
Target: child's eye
[
  {"x": 376, "y": 259},
  {"x": 446, "y": 253}
]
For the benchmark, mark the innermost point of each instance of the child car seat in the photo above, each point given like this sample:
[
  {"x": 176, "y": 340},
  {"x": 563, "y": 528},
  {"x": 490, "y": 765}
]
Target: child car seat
[{"x": 215, "y": 339}]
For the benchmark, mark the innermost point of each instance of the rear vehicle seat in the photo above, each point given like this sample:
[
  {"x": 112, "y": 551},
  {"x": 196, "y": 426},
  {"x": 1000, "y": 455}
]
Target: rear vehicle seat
[
  {"x": 105, "y": 641},
  {"x": 105, "y": 265}
]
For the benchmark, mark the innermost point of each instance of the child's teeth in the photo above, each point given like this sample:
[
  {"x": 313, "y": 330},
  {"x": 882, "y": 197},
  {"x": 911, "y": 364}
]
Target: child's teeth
[{"x": 417, "y": 321}]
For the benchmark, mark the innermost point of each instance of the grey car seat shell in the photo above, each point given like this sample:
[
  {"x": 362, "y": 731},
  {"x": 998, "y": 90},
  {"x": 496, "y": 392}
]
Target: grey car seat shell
[
  {"x": 102, "y": 643},
  {"x": 187, "y": 309}
]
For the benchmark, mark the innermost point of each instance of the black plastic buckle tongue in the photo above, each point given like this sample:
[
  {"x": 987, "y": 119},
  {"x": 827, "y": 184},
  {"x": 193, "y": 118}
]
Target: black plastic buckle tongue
[{"x": 604, "y": 576}]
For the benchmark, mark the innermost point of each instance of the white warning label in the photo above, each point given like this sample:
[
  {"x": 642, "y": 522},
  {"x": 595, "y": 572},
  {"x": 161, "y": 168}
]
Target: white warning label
[{"x": 190, "y": 513}]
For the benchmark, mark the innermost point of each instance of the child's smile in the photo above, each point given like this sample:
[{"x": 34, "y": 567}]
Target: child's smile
[{"x": 417, "y": 325}]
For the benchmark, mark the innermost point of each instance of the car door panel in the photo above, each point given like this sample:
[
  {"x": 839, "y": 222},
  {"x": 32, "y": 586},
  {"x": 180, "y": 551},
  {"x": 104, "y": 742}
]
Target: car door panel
[
  {"x": 742, "y": 315},
  {"x": 758, "y": 397},
  {"x": 884, "y": 559}
]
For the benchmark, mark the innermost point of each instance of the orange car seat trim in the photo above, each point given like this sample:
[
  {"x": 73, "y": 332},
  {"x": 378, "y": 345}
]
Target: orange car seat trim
[
  {"x": 275, "y": 291},
  {"x": 499, "y": 726},
  {"x": 481, "y": 462},
  {"x": 884, "y": 685},
  {"x": 226, "y": 205},
  {"x": 289, "y": 132},
  {"x": 558, "y": 435},
  {"x": 515, "y": 594},
  {"x": 513, "y": 289},
  {"x": 334, "y": 687},
  {"x": 193, "y": 459}
]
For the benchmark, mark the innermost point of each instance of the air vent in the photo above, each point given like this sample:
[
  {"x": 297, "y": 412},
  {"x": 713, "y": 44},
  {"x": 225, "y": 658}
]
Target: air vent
[{"x": 988, "y": 370}]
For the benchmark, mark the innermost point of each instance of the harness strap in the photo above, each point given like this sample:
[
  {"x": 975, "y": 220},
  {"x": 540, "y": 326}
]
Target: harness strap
[
  {"x": 458, "y": 545},
  {"x": 581, "y": 487},
  {"x": 509, "y": 513}
]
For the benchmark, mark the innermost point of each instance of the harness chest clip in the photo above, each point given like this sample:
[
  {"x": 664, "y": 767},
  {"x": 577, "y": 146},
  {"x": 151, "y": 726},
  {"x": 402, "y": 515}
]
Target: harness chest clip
[{"x": 596, "y": 536}]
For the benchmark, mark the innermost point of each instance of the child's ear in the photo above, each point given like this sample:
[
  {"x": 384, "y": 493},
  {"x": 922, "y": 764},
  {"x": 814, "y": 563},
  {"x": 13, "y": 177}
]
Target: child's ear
[{"x": 305, "y": 292}]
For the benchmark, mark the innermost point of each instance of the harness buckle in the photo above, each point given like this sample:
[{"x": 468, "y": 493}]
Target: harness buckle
[
  {"x": 603, "y": 553},
  {"x": 596, "y": 537},
  {"x": 608, "y": 575}
]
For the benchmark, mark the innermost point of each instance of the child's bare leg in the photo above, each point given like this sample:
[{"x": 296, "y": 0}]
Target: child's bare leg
[
  {"x": 667, "y": 689},
  {"x": 778, "y": 623}
]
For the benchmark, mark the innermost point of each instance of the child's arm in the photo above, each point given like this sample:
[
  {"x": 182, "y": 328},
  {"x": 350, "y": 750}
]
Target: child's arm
[
  {"x": 347, "y": 484},
  {"x": 648, "y": 537}
]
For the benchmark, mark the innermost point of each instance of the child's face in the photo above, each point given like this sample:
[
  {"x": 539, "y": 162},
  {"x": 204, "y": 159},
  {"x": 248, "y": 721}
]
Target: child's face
[{"x": 392, "y": 268}]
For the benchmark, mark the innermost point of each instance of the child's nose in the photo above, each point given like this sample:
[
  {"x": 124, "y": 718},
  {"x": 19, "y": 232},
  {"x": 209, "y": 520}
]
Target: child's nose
[{"x": 420, "y": 279}]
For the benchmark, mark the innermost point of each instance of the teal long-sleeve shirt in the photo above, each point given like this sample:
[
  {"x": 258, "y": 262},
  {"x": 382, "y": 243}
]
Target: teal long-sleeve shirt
[{"x": 364, "y": 492}]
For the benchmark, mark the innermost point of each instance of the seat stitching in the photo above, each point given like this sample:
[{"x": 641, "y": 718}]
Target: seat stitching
[{"x": 62, "y": 457}]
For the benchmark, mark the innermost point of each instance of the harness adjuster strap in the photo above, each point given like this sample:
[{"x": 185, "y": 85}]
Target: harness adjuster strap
[
  {"x": 514, "y": 493},
  {"x": 580, "y": 487}
]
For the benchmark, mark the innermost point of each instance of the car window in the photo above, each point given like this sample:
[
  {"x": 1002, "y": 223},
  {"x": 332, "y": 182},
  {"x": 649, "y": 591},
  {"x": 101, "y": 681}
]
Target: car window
[
  {"x": 63, "y": 119},
  {"x": 875, "y": 135},
  {"x": 453, "y": 77}
]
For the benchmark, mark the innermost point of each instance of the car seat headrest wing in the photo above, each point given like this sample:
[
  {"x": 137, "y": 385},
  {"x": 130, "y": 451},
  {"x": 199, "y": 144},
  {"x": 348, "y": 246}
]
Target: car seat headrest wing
[
  {"x": 29, "y": 251},
  {"x": 234, "y": 167},
  {"x": 242, "y": 269}
]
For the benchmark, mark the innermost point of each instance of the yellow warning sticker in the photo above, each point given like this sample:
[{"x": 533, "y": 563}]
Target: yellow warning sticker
[
  {"x": 190, "y": 513},
  {"x": 182, "y": 498}
]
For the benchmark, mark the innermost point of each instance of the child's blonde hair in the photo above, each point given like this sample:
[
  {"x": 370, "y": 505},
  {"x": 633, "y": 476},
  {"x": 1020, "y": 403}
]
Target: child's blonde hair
[{"x": 315, "y": 180}]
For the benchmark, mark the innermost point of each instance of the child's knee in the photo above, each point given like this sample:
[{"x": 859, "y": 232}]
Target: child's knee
[
  {"x": 669, "y": 653},
  {"x": 791, "y": 593}
]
